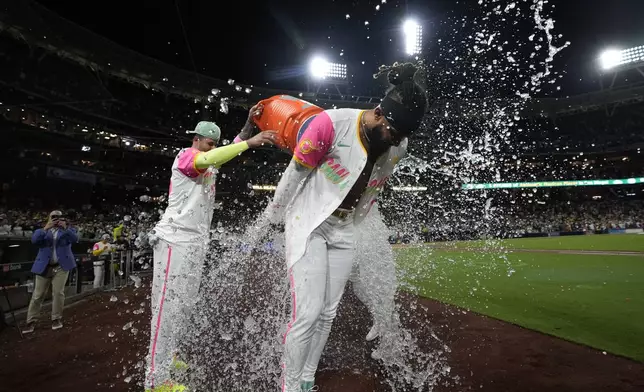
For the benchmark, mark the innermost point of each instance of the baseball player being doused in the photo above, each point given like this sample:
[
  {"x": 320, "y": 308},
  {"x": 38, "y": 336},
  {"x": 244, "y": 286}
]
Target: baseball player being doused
[
  {"x": 341, "y": 161},
  {"x": 373, "y": 278}
]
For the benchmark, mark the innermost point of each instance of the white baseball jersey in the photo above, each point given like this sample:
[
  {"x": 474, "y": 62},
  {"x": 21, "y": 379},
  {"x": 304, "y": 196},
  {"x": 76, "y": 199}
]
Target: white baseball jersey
[
  {"x": 331, "y": 144},
  {"x": 190, "y": 201},
  {"x": 107, "y": 248},
  {"x": 102, "y": 246}
]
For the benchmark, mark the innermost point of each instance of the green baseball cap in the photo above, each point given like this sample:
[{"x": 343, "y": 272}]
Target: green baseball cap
[{"x": 207, "y": 129}]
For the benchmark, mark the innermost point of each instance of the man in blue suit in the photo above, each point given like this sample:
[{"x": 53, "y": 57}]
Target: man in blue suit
[{"x": 53, "y": 263}]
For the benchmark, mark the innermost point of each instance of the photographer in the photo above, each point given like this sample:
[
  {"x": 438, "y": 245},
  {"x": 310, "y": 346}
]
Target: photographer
[{"x": 54, "y": 261}]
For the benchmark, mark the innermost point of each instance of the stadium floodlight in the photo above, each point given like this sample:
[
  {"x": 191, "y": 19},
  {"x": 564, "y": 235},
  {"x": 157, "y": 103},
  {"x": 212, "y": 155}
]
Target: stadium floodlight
[
  {"x": 610, "y": 58},
  {"x": 322, "y": 69},
  {"x": 413, "y": 37},
  {"x": 613, "y": 58}
]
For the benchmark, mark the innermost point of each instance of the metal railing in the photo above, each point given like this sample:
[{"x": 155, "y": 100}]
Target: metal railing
[{"x": 120, "y": 267}]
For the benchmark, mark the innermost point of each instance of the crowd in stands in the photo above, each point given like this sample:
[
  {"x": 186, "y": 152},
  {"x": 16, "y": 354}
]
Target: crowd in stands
[
  {"x": 91, "y": 223},
  {"x": 591, "y": 217},
  {"x": 612, "y": 129}
]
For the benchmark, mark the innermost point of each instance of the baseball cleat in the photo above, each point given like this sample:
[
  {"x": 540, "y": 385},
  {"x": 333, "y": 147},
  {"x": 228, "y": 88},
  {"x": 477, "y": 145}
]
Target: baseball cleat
[
  {"x": 28, "y": 328},
  {"x": 169, "y": 387},
  {"x": 308, "y": 386},
  {"x": 374, "y": 332}
]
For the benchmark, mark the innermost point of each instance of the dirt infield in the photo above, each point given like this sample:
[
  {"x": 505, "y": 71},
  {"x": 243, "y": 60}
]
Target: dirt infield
[{"x": 486, "y": 354}]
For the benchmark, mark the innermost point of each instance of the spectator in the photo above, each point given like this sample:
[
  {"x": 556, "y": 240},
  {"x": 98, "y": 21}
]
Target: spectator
[
  {"x": 101, "y": 252},
  {"x": 53, "y": 263}
]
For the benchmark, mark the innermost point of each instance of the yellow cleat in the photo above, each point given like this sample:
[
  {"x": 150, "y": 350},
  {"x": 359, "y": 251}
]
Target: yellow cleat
[
  {"x": 179, "y": 365},
  {"x": 178, "y": 370},
  {"x": 169, "y": 387}
]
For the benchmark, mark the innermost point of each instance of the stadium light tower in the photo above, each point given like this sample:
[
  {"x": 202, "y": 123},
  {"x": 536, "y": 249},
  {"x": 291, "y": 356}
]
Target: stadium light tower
[
  {"x": 325, "y": 73},
  {"x": 413, "y": 37},
  {"x": 627, "y": 58},
  {"x": 621, "y": 67},
  {"x": 323, "y": 69},
  {"x": 610, "y": 58}
]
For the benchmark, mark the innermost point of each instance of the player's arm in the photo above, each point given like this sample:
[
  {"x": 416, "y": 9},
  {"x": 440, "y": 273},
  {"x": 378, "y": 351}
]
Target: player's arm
[
  {"x": 117, "y": 232},
  {"x": 294, "y": 174},
  {"x": 309, "y": 153},
  {"x": 247, "y": 131},
  {"x": 220, "y": 155},
  {"x": 193, "y": 162},
  {"x": 97, "y": 251}
]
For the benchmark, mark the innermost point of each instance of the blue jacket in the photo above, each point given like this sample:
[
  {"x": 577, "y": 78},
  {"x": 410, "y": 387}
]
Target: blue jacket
[{"x": 45, "y": 241}]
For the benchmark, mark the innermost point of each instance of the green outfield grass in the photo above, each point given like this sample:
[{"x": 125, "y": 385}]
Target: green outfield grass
[
  {"x": 622, "y": 242},
  {"x": 596, "y": 300}
]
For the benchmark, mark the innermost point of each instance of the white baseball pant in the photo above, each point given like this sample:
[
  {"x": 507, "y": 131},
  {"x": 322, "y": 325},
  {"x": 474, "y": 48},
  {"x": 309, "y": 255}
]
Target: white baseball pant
[
  {"x": 317, "y": 283},
  {"x": 374, "y": 271},
  {"x": 175, "y": 285},
  {"x": 99, "y": 274}
]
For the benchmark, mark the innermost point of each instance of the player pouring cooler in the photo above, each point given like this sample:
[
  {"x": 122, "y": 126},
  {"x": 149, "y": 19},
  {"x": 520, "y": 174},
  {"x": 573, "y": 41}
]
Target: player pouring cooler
[
  {"x": 180, "y": 238},
  {"x": 341, "y": 161}
]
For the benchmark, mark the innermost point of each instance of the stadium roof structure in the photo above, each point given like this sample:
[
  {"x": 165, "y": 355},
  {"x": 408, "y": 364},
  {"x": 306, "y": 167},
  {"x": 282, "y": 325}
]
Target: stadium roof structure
[
  {"x": 608, "y": 100},
  {"x": 38, "y": 26},
  {"x": 621, "y": 83}
]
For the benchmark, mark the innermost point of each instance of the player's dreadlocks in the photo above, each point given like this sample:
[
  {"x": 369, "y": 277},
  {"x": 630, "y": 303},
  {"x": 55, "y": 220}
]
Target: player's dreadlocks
[
  {"x": 397, "y": 72},
  {"x": 405, "y": 101}
]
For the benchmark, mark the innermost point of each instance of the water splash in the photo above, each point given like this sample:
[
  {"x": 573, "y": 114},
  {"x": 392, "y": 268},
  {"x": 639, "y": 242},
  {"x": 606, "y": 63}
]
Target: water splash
[
  {"x": 481, "y": 83},
  {"x": 243, "y": 305}
]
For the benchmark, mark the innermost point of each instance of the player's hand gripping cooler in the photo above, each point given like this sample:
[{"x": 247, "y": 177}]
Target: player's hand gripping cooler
[{"x": 287, "y": 115}]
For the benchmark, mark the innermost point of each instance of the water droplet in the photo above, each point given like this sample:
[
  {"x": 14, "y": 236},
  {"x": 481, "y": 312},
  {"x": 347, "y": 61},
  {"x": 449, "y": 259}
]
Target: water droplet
[{"x": 226, "y": 336}]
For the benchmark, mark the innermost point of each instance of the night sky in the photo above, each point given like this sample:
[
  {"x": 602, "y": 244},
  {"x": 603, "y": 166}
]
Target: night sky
[{"x": 271, "y": 41}]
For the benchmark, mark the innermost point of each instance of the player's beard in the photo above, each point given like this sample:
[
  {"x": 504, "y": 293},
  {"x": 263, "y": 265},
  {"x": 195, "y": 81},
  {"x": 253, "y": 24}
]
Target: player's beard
[{"x": 377, "y": 145}]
